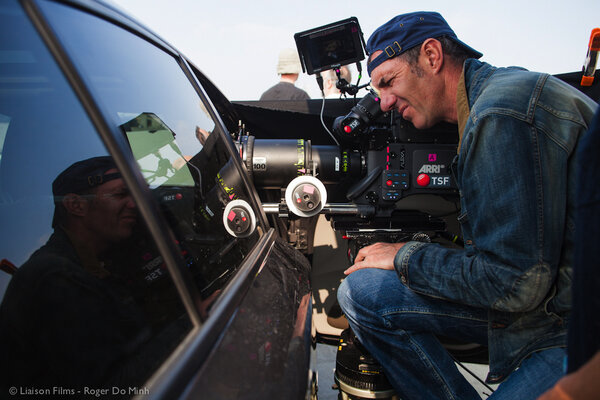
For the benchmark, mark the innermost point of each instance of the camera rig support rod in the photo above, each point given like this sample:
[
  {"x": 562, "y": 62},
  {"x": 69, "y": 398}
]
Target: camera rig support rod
[{"x": 330, "y": 209}]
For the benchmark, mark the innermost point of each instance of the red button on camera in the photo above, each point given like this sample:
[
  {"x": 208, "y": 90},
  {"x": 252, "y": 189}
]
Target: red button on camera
[{"x": 423, "y": 180}]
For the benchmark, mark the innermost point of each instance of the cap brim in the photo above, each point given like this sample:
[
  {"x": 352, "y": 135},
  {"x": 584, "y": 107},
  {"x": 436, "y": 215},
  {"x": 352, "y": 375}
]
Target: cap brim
[{"x": 474, "y": 53}]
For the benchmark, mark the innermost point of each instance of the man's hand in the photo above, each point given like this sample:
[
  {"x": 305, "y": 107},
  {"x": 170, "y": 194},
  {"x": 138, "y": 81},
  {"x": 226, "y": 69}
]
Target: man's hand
[
  {"x": 378, "y": 255},
  {"x": 582, "y": 384}
]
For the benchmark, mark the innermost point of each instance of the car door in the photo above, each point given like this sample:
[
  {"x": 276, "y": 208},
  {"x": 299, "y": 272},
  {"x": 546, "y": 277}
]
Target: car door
[{"x": 172, "y": 285}]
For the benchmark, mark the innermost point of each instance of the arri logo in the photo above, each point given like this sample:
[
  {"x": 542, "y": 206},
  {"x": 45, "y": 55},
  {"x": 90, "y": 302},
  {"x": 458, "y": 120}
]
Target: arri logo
[{"x": 431, "y": 169}]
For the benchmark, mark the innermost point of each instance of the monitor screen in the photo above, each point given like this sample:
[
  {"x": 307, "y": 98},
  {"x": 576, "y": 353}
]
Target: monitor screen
[{"x": 330, "y": 46}]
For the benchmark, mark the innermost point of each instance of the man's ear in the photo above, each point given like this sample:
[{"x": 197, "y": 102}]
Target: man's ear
[
  {"x": 331, "y": 83},
  {"x": 433, "y": 55},
  {"x": 75, "y": 204}
]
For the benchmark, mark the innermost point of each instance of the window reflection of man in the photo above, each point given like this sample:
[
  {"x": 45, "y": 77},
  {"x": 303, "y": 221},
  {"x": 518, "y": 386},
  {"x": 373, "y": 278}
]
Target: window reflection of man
[
  {"x": 93, "y": 205},
  {"x": 75, "y": 319}
]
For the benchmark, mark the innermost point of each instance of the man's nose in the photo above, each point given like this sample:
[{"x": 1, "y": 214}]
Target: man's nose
[
  {"x": 387, "y": 102},
  {"x": 130, "y": 203}
]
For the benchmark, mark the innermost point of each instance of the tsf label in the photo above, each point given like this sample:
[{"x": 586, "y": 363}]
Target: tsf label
[{"x": 440, "y": 181}]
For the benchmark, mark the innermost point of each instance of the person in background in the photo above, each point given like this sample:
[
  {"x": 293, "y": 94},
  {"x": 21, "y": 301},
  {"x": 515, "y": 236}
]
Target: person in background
[
  {"x": 288, "y": 68},
  {"x": 583, "y": 351},
  {"x": 330, "y": 90},
  {"x": 509, "y": 288}
]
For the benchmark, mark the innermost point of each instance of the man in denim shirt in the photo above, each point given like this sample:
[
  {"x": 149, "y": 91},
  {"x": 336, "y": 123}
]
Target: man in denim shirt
[{"x": 509, "y": 288}]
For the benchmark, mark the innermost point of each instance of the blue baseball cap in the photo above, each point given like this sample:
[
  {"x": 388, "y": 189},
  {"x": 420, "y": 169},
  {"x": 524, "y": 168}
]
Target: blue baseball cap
[{"x": 406, "y": 31}]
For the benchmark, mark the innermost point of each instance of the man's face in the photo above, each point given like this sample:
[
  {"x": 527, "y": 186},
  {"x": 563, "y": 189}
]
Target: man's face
[
  {"x": 112, "y": 214},
  {"x": 401, "y": 88}
]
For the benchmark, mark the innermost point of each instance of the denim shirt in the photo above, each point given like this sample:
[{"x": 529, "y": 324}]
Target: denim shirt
[{"x": 515, "y": 174}]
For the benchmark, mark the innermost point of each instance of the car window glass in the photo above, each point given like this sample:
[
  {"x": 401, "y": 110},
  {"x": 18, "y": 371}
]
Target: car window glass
[
  {"x": 149, "y": 98},
  {"x": 86, "y": 299},
  {"x": 4, "y": 121}
]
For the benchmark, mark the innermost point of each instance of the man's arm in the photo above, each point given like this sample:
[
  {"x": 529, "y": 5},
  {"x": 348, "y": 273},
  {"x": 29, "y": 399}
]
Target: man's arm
[
  {"x": 513, "y": 181},
  {"x": 513, "y": 224}
]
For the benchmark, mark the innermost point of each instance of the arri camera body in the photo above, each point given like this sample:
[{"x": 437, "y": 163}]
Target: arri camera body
[{"x": 382, "y": 179}]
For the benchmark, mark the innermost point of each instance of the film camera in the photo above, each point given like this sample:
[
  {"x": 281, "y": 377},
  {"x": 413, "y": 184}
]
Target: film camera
[{"x": 382, "y": 180}]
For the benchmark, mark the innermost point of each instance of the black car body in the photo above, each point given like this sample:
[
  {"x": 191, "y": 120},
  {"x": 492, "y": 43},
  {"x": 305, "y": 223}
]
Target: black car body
[
  {"x": 211, "y": 293},
  {"x": 219, "y": 313}
]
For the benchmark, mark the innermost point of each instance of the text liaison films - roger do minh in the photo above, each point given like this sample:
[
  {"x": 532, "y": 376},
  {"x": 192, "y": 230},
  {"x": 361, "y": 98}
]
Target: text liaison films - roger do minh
[{"x": 87, "y": 391}]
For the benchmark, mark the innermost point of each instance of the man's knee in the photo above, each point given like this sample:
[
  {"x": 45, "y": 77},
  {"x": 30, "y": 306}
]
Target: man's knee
[
  {"x": 364, "y": 288},
  {"x": 343, "y": 293},
  {"x": 353, "y": 297}
]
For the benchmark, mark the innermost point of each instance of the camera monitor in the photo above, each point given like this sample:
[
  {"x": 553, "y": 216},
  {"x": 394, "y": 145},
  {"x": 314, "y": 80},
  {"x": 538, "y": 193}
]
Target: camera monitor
[{"x": 330, "y": 46}]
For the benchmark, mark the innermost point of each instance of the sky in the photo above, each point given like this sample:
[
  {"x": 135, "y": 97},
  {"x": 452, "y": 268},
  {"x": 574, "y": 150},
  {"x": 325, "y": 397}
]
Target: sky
[{"x": 236, "y": 43}]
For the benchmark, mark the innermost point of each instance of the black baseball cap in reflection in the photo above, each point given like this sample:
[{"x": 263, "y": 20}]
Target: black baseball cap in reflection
[{"x": 82, "y": 176}]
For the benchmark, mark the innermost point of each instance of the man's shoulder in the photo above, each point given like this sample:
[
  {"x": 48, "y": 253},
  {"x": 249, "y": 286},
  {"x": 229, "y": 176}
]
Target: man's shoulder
[
  {"x": 485, "y": 81},
  {"x": 297, "y": 94},
  {"x": 56, "y": 260},
  {"x": 269, "y": 91},
  {"x": 516, "y": 91},
  {"x": 43, "y": 269},
  {"x": 284, "y": 91}
]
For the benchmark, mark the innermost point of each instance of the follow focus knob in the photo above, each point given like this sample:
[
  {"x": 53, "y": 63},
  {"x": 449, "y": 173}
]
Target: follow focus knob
[
  {"x": 239, "y": 219},
  {"x": 305, "y": 196}
]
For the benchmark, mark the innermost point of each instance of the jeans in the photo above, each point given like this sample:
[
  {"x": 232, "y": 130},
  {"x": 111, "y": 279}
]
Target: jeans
[{"x": 399, "y": 327}]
